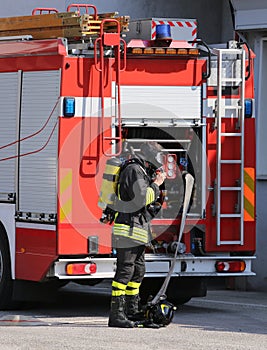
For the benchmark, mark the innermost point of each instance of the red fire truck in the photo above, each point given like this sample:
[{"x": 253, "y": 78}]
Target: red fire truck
[{"x": 68, "y": 104}]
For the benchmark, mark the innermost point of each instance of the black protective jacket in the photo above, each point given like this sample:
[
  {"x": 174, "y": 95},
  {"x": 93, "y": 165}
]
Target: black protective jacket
[{"x": 137, "y": 205}]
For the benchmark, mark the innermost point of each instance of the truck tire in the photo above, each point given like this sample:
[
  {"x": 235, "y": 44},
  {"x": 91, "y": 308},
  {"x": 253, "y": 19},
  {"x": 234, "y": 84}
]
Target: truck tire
[
  {"x": 179, "y": 292},
  {"x": 6, "y": 283}
]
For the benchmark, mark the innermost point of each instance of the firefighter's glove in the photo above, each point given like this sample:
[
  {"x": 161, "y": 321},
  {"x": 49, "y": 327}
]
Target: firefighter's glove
[
  {"x": 153, "y": 245},
  {"x": 108, "y": 216},
  {"x": 153, "y": 208},
  {"x": 154, "y": 242}
]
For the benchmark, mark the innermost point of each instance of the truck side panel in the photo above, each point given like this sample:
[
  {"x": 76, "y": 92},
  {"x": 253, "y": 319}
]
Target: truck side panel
[
  {"x": 81, "y": 161},
  {"x": 35, "y": 250},
  {"x": 80, "y": 173}
]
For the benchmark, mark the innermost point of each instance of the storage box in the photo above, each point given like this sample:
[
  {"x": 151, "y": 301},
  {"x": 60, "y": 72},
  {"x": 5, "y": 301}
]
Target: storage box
[{"x": 145, "y": 29}]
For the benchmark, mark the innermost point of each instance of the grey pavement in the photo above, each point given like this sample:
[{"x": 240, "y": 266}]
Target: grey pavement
[
  {"x": 235, "y": 297},
  {"x": 224, "y": 320}
]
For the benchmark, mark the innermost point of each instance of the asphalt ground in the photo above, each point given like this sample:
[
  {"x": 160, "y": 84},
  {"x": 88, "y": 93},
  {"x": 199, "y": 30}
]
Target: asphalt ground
[{"x": 223, "y": 320}]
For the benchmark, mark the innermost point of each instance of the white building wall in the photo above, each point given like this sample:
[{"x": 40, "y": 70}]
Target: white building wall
[
  {"x": 258, "y": 41},
  {"x": 250, "y": 14}
]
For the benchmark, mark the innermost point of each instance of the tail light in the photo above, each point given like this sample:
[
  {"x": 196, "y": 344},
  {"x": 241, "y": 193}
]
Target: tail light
[
  {"x": 230, "y": 266},
  {"x": 81, "y": 268}
]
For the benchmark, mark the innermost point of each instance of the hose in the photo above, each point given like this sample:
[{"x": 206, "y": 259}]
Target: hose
[{"x": 189, "y": 183}]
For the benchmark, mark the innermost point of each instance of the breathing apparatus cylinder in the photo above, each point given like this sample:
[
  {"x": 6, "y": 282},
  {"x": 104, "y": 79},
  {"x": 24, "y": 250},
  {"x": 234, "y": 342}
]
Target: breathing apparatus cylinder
[{"x": 109, "y": 183}]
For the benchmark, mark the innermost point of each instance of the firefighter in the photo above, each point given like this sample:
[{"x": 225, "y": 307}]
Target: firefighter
[{"x": 138, "y": 204}]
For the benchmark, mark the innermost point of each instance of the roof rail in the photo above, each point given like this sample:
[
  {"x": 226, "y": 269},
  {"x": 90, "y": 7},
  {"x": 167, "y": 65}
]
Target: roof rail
[
  {"x": 40, "y": 10},
  {"x": 16, "y": 38},
  {"x": 83, "y": 6}
]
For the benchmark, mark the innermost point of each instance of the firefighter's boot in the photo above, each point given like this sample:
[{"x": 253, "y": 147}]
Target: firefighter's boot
[
  {"x": 133, "y": 311},
  {"x": 117, "y": 317}
]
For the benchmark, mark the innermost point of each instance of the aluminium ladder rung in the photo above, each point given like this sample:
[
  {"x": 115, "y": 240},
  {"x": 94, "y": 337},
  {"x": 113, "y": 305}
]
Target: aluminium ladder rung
[
  {"x": 231, "y": 80},
  {"x": 231, "y": 107},
  {"x": 231, "y": 161},
  {"x": 230, "y": 216},
  {"x": 230, "y": 188},
  {"x": 229, "y": 52},
  {"x": 231, "y": 242},
  {"x": 232, "y": 51},
  {"x": 231, "y": 134}
]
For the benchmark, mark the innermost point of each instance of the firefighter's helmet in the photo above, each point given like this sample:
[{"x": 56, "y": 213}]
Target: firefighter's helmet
[
  {"x": 162, "y": 312},
  {"x": 152, "y": 152}
]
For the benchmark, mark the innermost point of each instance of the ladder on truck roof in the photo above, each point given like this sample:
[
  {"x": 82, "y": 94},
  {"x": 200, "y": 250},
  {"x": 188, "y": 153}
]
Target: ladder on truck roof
[
  {"x": 232, "y": 76},
  {"x": 77, "y": 24}
]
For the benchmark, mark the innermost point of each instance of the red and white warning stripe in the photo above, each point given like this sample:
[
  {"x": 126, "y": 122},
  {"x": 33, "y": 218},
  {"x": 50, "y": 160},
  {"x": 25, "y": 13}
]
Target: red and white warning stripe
[{"x": 179, "y": 23}]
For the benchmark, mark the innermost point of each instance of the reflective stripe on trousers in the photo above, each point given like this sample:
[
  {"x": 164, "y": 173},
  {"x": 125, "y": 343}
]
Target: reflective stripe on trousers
[{"x": 118, "y": 289}]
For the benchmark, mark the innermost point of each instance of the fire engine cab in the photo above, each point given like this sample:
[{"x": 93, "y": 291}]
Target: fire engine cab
[{"x": 79, "y": 88}]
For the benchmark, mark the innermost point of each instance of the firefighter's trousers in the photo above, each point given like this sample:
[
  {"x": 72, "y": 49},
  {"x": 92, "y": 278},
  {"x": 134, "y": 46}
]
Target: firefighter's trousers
[{"x": 130, "y": 270}]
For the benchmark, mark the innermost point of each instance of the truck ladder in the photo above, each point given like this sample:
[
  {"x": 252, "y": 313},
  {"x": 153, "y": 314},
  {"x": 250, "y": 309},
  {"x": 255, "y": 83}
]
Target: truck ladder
[
  {"x": 233, "y": 77},
  {"x": 113, "y": 40}
]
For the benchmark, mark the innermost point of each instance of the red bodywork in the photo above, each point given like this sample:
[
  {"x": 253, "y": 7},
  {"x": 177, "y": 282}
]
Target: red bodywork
[{"x": 81, "y": 161}]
